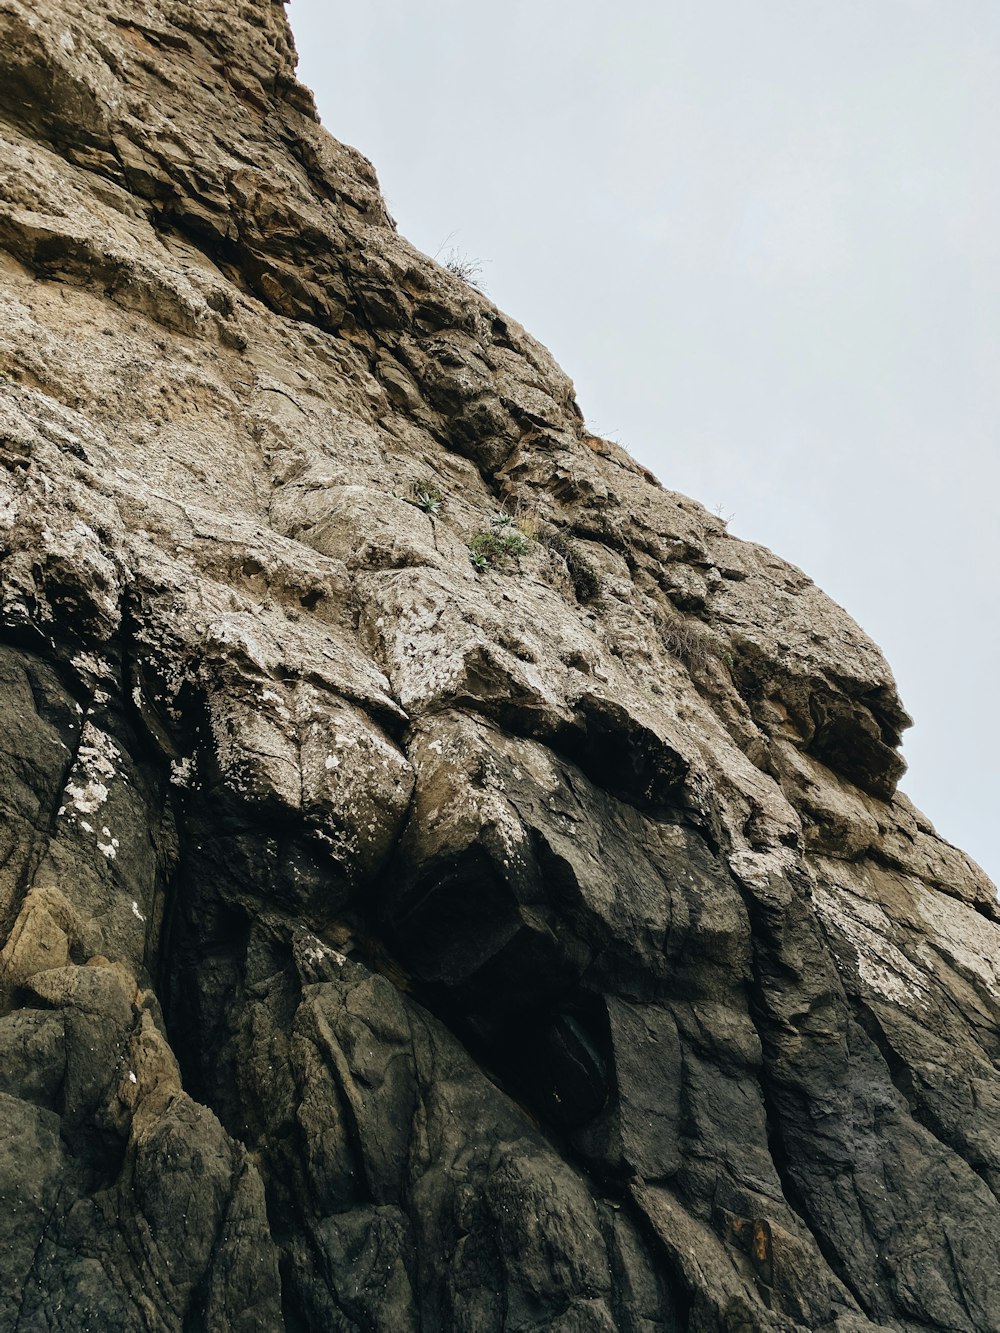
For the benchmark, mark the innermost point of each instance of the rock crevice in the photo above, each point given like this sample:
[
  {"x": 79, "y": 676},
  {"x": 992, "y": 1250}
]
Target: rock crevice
[{"x": 446, "y": 880}]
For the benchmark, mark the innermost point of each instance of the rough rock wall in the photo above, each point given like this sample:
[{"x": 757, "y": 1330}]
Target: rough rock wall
[{"x": 391, "y": 943}]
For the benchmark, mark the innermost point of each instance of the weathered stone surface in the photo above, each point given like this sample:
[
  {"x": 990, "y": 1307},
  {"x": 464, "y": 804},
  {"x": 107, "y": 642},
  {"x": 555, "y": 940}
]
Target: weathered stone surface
[{"x": 389, "y": 943}]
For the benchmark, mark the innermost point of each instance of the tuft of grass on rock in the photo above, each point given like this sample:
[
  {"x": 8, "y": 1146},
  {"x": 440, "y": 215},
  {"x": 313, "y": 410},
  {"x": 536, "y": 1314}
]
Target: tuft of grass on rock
[
  {"x": 469, "y": 271},
  {"x": 495, "y": 547}
]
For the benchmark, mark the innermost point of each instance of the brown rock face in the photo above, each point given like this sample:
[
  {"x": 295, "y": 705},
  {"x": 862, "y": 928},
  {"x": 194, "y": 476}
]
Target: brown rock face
[{"x": 447, "y": 882}]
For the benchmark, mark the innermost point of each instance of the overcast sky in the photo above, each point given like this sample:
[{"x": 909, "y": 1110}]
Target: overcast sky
[{"x": 763, "y": 240}]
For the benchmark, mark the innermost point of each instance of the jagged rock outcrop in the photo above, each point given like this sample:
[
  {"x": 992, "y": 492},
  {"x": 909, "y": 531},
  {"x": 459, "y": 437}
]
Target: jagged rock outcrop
[{"x": 393, "y": 941}]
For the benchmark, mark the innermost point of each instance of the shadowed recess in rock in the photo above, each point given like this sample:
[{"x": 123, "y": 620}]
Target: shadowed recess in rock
[{"x": 446, "y": 880}]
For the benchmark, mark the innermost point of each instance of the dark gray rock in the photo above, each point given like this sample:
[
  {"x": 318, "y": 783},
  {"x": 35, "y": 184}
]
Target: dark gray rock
[{"x": 388, "y": 943}]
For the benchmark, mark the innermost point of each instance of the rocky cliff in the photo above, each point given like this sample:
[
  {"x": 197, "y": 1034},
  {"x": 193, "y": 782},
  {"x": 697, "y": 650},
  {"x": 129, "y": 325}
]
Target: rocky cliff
[{"x": 447, "y": 882}]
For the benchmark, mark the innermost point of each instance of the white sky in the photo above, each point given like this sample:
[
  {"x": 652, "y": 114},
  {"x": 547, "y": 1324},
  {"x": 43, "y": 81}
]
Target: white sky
[{"x": 763, "y": 239}]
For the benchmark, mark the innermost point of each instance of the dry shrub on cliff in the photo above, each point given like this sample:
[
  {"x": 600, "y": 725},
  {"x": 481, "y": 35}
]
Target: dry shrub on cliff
[
  {"x": 689, "y": 643},
  {"x": 470, "y": 271}
]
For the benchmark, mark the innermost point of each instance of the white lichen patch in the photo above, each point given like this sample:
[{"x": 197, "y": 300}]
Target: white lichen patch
[
  {"x": 95, "y": 768},
  {"x": 135, "y": 911},
  {"x": 98, "y": 753},
  {"x": 182, "y": 772},
  {"x": 86, "y": 797},
  {"x": 315, "y": 952},
  {"x": 91, "y": 664},
  {"x": 881, "y": 966},
  {"x": 343, "y": 843},
  {"x": 256, "y": 751},
  {"x": 490, "y": 808}
]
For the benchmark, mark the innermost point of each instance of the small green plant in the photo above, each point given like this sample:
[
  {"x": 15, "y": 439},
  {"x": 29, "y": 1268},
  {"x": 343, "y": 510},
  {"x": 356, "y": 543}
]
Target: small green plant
[
  {"x": 495, "y": 548},
  {"x": 426, "y": 496}
]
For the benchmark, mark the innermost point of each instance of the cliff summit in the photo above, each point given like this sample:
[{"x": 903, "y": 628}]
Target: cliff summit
[{"x": 447, "y": 882}]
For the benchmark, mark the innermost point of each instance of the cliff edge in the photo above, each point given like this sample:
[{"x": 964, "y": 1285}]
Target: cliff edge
[{"x": 447, "y": 881}]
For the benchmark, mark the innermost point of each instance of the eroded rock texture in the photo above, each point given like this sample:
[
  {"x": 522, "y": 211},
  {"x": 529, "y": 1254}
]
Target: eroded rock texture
[{"x": 391, "y": 944}]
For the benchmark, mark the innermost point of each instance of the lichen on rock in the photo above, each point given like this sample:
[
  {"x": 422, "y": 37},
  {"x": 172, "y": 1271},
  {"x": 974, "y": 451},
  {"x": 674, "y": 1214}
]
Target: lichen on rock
[{"x": 389, "y": 941}]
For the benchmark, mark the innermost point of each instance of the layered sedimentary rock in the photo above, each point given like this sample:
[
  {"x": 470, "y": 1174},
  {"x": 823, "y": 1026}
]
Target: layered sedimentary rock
[{"x": 392, "y": 939}]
